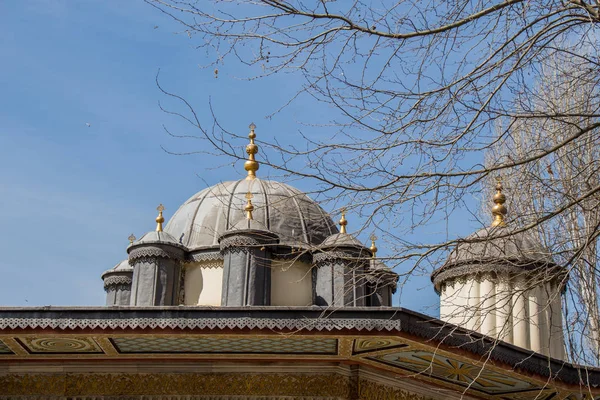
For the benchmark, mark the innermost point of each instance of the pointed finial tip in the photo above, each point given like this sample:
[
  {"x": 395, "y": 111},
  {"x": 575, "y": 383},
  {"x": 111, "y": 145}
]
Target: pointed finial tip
[
  {"x": 373, "y": 248},
  {"x": 160, "y": 219},
  {"x": 343, "y": 221},
  {"x": 251, "y": 165},
  {"x": 131, "y": 238}
]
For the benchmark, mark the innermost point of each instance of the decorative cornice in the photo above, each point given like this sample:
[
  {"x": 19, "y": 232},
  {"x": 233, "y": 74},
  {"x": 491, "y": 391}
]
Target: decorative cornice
[
  {"x": 345, "y": 257},
  {"x": 274, "y": 320},
  {"x": 382, "y": 277},
  {"x": 117, "y": 280},
  {"x": 288, "y": 253},
  {"x": 200, "y": 256},
  {"x": 155, "y": 251},
  {"x": 321, "y": 324},
  {"x": 497, "y": 271},
  {"x": 246, "y": 239}
]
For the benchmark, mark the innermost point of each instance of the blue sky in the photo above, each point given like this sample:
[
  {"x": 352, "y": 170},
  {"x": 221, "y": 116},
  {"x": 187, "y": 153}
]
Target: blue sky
[{"x": 72, "y": 193}]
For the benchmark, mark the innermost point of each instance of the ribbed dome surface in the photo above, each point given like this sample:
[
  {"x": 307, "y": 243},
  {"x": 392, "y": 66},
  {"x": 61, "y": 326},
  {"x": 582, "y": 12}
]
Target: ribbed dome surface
[{"x": 283, "y": 209}]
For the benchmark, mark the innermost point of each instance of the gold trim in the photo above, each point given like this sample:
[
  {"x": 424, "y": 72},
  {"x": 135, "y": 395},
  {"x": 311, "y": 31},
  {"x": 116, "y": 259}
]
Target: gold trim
[
  {"x": 106, "y": 345},
  {"x": 345, "y": 346},
  {"x": 15, "y": 346}
]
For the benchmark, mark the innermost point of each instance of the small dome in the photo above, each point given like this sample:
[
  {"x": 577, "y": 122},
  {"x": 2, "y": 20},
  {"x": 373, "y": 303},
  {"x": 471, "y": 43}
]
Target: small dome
[
  {"x": 156, "y": 237},
  {"x": 121, "y": 267},
  {"x": 495, "y": 250},
  {"x": 249, "y": 224},
  {"x": 519, "y": 248},
  {"x": 342, "y": 240},
  {"x": 377, "y": 264},
  {"x": 282, "y": 209}
]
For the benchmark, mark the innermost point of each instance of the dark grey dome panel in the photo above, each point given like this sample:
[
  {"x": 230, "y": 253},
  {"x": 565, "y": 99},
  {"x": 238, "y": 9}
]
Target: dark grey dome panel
[
  {"x": 123, "y": 266},
  {"x": 285, "y": 210},
  {"x": 496, "y": 250},
  {"x": 342, "y": 239},
  {"x": 489, "y": 246}
]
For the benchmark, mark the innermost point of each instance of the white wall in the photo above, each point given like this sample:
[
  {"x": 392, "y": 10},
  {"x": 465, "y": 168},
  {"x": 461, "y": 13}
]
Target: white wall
[
  {"x": 529, "y": 317},
  {"x": 203, "y": 283},
  {"x": 291, "y": 283}
]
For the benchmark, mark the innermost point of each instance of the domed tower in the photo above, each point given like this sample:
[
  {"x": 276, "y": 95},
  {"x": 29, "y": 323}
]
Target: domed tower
[
  {"x": 156, "y": 259},
  {"x": 341, "y": 270},
  {"x": 117, "y": 284},
  {"x": 503, "y": 283},
  {"x": 381, "y": 280},
  {"x": 247, "y": 253}
]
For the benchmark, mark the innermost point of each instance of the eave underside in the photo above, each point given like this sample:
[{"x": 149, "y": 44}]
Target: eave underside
[{"x": 274, "y": 352}]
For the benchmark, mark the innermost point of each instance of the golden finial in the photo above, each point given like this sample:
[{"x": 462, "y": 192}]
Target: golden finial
[
  {"x": 160, "y": 219},
  {"x": 251, "y": 165},
  {"x": 499, "y": 211},
  {"x": 373, "y": 248},
  {"x": 249, "y": 207},
  {"x": 343, "y": 221},
  {"x": 131, "y": 239}
]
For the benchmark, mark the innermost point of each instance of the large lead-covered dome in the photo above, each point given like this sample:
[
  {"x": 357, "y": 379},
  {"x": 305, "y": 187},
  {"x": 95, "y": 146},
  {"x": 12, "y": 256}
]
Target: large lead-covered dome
[{"x": 283, "y": 209}]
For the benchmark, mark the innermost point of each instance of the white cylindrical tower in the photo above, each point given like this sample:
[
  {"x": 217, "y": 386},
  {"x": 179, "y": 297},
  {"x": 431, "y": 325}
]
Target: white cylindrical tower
[{"x": 504, "y": 284}]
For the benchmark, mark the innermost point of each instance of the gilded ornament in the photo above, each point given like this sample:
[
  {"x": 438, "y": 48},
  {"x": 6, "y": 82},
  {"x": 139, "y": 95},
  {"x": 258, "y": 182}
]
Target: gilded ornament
[
  {"x": 343, "y": 221},
  {"x": 373, "y": 248},
  {"x": 160, "y": 219},
  {"x": 251, "y": 165},
  {"x": 249, "y": 206},
  {"x": 499, "y": 210}
]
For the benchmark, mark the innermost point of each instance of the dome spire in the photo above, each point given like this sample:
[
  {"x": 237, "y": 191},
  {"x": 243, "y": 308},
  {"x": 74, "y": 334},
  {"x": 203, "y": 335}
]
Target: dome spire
[
  {"x": 373, "y": 248},
  {"x": 343, "y": 221},
  {"x": 249, "y": 206},
  {"x": 251, "y": 165},
  {"x": 160, "y": 219},
  {"x": 131, "y": 239},
  {"x": 499, "y": 210}
]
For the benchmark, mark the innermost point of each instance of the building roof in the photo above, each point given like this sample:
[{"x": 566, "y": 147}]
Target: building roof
[{"x": 393, "y": 340}]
